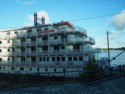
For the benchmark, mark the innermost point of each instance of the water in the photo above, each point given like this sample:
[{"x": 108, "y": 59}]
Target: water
[{"x": 119, "y": 60}]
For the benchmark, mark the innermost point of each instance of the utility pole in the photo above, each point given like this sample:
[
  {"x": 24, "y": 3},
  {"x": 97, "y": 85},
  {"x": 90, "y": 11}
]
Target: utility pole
[{"x": 108, "y": 48}]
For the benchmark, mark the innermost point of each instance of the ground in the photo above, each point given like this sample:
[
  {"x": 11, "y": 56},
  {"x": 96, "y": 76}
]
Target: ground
[{"x": 114, "y": 86}]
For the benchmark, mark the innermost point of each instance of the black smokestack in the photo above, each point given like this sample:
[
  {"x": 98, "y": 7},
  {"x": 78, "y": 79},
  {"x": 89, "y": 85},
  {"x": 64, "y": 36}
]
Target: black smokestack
[
  {"x": 35, "y": 19},
  {"x": 43, "y": 21}
]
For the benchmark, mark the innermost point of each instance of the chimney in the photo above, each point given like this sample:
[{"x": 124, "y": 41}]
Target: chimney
[
  {"x": 43, "y": 21},
  {"x": 35, "y": 19}
]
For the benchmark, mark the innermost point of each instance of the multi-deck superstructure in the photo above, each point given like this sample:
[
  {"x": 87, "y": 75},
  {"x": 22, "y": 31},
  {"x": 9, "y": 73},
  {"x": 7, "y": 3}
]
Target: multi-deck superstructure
[{"x": 45, "y": 48}]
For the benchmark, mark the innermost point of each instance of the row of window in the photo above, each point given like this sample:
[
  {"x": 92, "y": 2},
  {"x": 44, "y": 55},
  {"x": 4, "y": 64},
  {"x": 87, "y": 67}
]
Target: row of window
[
  {"x": 70, "y": 58},
  {"x": 31, "y": 69},
  {"x": 28, "y": 31}
]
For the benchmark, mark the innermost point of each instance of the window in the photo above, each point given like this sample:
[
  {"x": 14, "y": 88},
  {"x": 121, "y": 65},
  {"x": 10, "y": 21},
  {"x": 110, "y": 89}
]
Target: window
[
  {"x": 33, "y": 58},
  {"x": 21, "y": 68},
  {"x": 12, "y": 68},
  {"x": 75, "y": 58},
  {"x": 8, "y": 59},
  {"x": 8, "y": 50},
  {"x": 0, "y": 59},
  {"x": 0, "y": 42},
  {"x": 15, "y": 32},
  {"x": 46, "y": 69},
  {"x": 0, "y": 68},
  {"x": 8, "y": 33},
  {"x": 38, "y": 69},
  {"x": 47, "y": 58},
  {"x": 44, "y": 59},
  {"x": 55, "y": 37},
  {"x": 29, "y": 31},
  {"x": 38, "y": 29},
  {"x": 58, "y": 58},
  {"x": 64, "y": 70},
  {"x": 22, "y": 58},
  {"x": 40, "y": 59},
  {"x": 22, "y": 39},
  {"x": 33, "y": 39},
  {"x": 63, "y": 58},
  {"x": 62, "y": 47},
  {"x": 45, "y": 38},
  {"x": 30, "y": 69},
  {"x": 80, "y": 58},
  {"x": 8, "y": 41},
  {"x": 45, "y": 28},
  {"x": 3, "y": 68},
  {"x": 33, "y": 48},
  {"x": 0, "y": 50},
  {"x": 69, "y": 58},
  {"x": 22, "y": 49},
  {"x": 54, "y": 69},
  {"x": 53, "y": 58}
]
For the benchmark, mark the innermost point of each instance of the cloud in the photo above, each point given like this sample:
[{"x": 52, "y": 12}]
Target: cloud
[
  {"x": 118, "y": 21},
  {"x": 26, "y": 2},
  {"x": 40, "y": 14}
]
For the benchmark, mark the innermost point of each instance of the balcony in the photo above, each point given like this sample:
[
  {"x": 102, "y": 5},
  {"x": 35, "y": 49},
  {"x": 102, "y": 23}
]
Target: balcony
[{"x": 89, "y": 40}]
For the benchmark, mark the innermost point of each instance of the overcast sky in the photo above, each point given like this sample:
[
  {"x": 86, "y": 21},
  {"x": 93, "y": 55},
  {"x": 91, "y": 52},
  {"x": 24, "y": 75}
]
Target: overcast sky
[{"x": 19, "y": 13}]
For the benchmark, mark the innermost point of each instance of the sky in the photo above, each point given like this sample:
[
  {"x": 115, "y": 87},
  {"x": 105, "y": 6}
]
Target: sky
[{"x": 19, "y": 13}]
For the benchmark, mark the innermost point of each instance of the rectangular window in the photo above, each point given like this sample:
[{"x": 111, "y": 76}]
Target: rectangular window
[
  {"x": 21, "y": 68},
  {"x": 63, "y": 58},
  {"x": 8, "y": 50},
  {"x": 12, "y": 68},
  {"x": 0, "y": 42},
  {"x": 58, "y": 58},
  {"x": 29, "y": 31},
  {"x": 38, "y": 69},
  {"x": 46, "y": 69},
  {"x": 54, "y": 69},
  {"x": 22, "y": 39},
  {"x": 38, "y": 29},
  {"x": 8, "y": 59},
  {"x": 30, "y": 69},
  {"x": 0, "y": 50},
  {"x": 0, "y": 59},
  {"x": 33, "y": 58},
  {"x": 33, "y": 39},
  {"x": 15, "y": 32},
  {"x": 75, "y": 58},
  {"x": 33, "y": 48},
  {"x": 47, "y": 58},
  {"x": 22, "y": 49},
  {"x": 8, "y": 41},
  {"x": 69, "y": 58},
  {"x": 8, "y": 33},
  {"x": 40, "y": 58},
  {"x": 45, "y": 28},
  {"x": 45, "y": 38},
  {"x": 53, "y": 58},
  {"x": 22, "y": 58},
  {"x": 55, "y": 37},
  {"x": 44, "y": 59},
  {"x": 62, "y": 47},
  {"x": 80, "y": 58}
]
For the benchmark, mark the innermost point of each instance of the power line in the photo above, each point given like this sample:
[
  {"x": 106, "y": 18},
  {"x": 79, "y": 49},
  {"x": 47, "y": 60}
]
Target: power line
[{"x": 89, "y": 18}]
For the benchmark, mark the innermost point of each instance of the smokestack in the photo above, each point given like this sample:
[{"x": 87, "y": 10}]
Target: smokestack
[
  {"x": 43, "y": 21},
  {"x": 35, "y": 19}
]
